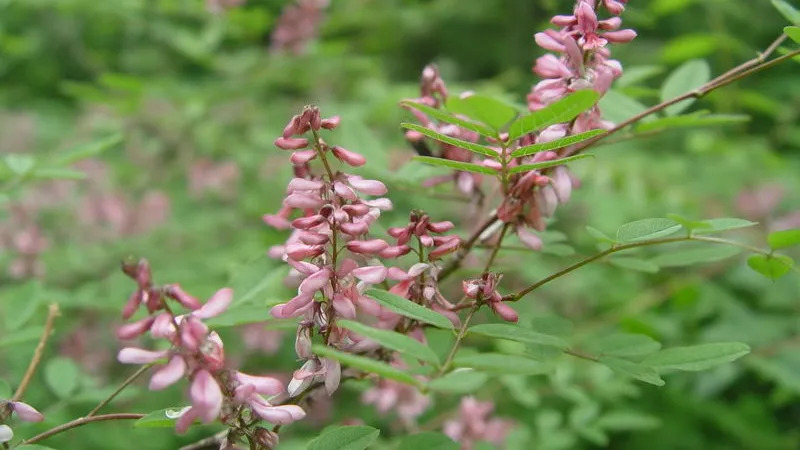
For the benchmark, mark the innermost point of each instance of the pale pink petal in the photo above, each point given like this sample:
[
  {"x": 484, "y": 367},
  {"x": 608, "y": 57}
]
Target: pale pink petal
[
  {"x": 206, "y": 396},
  {"x": 216, "y": 305},
  {"x": 371, "y": 274},
  {"x": 132, "y": 355},
  {"x": 263, "y": 385},
  {"x": 26, "y": 412},
  {"x": 168, "y": 374}
]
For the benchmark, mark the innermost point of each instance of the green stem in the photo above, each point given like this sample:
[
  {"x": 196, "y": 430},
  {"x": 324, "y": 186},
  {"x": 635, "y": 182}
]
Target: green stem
[{"x": 80, "y": 422}]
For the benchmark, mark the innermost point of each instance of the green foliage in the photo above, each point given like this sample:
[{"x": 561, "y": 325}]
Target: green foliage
[
  {"x": 345, "y": 438},
  {"x": 163, "y": 418},
  {"x": 459, "y": 381},
  {"x": 560, "y": 111},
  {"x": 409, "y": 309},
  {"x": 697, "y": 357},
  {"x": 62, "y": 376},
  {"x": 394, "y": 341},
  {"x": 368, "y": 365},
  {"x": 784, "y": 239},
  {"x": 690, "y": 75},
  {"x": 771, "y": 266},
  {"x": 518, "y": 334}
]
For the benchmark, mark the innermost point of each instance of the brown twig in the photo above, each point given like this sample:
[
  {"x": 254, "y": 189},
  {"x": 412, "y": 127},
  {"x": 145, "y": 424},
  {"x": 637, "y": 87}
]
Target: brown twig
[
  {"x": 121, "y": 387},
  {"x": 741, "y": 71},
  {"x": 80, "y": 422},
  {"x": 52, "y": 313}
]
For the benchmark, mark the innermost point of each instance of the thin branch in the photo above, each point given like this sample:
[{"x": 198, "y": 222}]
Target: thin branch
[
  {"x": 52, "y": 313},
  {"x": 496, "y": 248},
  {"x": 713, "y": 240},
  {"x": 455, "y": 263},
  {"x": 81, "y": 422},
  {"x": 743, "y": 70},
  {"x": 121, "y": 387},
  {"x": 461, "y": 333}
]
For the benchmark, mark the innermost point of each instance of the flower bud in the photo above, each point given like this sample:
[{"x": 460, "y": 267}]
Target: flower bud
[
  {"x": 291, "y": 143},
  {"x": 346, "y": 156}
]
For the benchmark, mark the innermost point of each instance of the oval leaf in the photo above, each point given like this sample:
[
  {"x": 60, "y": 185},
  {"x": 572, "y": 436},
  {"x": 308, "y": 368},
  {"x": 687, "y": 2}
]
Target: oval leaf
[
  {"x": 560, "y": 111},
  {"x": 646, "y": 229},
  {"x": 557, "y": 143},
  {"x": 722, "y": 224},
  {"x": 631, "y": 263},
  {"x": 518, "y": 334},
  {"x": 546, "y": 164},
  {"x": 368, "y": 365},
  {"x": 471, "y": 146},
  {"x": 488, "y": 110},
  {"x": 689, "y": 256},
  {"x": 690, "y": 75},
  {"x": 442, "y": 116},
  {"x": 345, "y": 438},
  {"x": 62, "y": 376},
  {"x": 624, "y": 345},
  {"x": 783, "y": 239},
  {"x": 459, "y": 381},
  {"x": 697, "y": 357},
  {"x": 456, "y": 165},
  {"x": 772, "y": 267},
  {"x": 409, "y": 309},
  {"x": 500, "y": 364},
  {"x": 163, "y": 418},
  {"x": 793, "y": 33},
  {"x": 393, "y": 341},
  {"x": 631, "y": 369}
]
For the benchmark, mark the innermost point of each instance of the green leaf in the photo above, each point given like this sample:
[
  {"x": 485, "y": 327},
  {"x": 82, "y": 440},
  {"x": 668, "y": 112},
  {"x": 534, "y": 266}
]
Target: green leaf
[
  {"x": 782, "y": 239},
  {"x": 772, "y": 267},
  {"x": 599, "y": 235},
  {"x": 697, "y": 357},
  {"x": 788, "y": 11},
  {"x": 456, "y": 165},
  {"x": 631, "y": 263},
  {"x": 393, "y": 341},
  {"x": 21, "y": 336},
  {"x": 471, "y": 146},
  {"x": 163, "y": 418},
  {"x": 5, "y": 390},
  {"x": 624, "y": 345},
  {"x": 500, "y": 364},
  {"x": 711, "y": 226},
  {"x": 33, "y": 447},
  {"x": 618, "y": 107},
  {"x": 449, "y": 118},
  {"x": 690, "y": 75},
  {"x": 484, "y": 109},
  {"x": 793, "y": 33},
  {"x": 557, "y": 143},
  {"x": 21, "y": 304},
  {"x": 88, "y": 150},
  {"x": 345, "y": 438},
  {"x": 546, "y": 164},
  {"x": 689, "y": 256},
  {"x": 459, "y": 381},
  {"x": 62, "y": 376},
  {"x": 518, "y": 334},
  {"x": 428, "y": 440},
  {"x": 646, "y": 229},
  {"x": 631, "y": 369},
  {"x": 408, "y": 308},
  {"x": 19, "y": 164},
  {"x": 368, "y": 365},
  {"x": 560, "y": 111},
  {"x": 693, "y": 120}
]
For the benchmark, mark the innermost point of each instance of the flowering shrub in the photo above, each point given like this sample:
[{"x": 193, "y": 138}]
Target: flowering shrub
[{"x": 375, "y": 297}]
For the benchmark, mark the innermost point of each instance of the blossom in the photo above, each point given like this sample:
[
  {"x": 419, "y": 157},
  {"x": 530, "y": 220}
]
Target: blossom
[{"x": 473, "y": 424}]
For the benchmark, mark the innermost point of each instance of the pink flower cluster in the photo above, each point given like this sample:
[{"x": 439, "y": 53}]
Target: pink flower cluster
[
  {"x": 433, "y": 93},
  {"x": 583, "y": 62},
  {"x": 473, "y": 425},
  {"x": 333, "y": 257},
  {"x": 196, "y": 353},
  {"x": 484, "y": 290}
]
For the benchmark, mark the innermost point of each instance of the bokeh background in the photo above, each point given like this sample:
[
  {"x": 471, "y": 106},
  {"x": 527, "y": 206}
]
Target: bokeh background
[{"x": 198, "y": 91}]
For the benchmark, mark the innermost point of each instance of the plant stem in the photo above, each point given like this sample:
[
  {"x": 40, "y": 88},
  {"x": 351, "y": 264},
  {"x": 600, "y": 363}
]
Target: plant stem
[
  {"x": 52, "y": 312},
  {"x": 741, "y": 71},
  {"x": 618, "y": 248},
  {"x": 461, "y": 333},
  {"x": 80, "y": 422},
  {"x": 496, "y": 248},
  {"x": 121, "y": 387}
]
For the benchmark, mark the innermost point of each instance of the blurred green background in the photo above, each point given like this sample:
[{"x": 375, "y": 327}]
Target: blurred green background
[{"x": 198, "y": 91}]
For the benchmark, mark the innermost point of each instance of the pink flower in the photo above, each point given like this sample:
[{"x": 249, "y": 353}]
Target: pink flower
[
  {"x": 168, "y": 374},
  {"x": 26, "y": 412},
  {"x": 133, "y": 355},
  {"x": 206, "y": 396}
]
